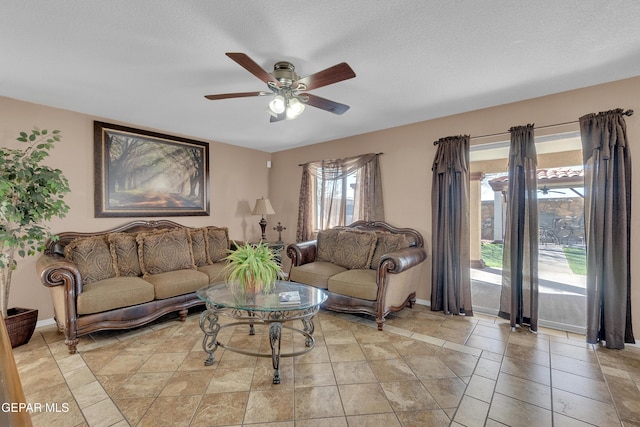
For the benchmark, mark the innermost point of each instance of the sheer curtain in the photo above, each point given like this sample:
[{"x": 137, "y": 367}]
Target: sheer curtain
[
  {"x": 519, "y": 295},
  {"x": 324, "y": 191},
  {"x": 607, "y": 165},
  {"x": 450, "y": 281}
]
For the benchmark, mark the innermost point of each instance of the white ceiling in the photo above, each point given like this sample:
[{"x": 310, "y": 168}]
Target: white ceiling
[{"x": 150, "y": 62}]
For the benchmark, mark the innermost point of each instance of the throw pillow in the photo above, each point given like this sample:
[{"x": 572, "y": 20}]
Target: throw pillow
[
  {"x": 124, "y": 251},
  {"x": 92, "y": 257},
  {"x": 164, "y": 251},
  {"x": 354, "y": 248},
  {"x": 386, "y": 244},
  {"x": 217, "y": 243},
  {"x": 326, "y": 245},
  {"x": 199, "y": 246}
]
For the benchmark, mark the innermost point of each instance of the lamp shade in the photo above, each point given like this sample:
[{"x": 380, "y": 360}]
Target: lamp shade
[{"x": 263, "y": 207}]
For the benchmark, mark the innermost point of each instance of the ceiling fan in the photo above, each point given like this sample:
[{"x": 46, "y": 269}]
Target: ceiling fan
[
  {"x": 545, "y": 190},
  {"x": 289, "y": 90}
]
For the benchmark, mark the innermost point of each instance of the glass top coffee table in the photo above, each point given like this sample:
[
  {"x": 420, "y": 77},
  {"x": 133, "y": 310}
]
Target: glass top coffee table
[{"x": 260, "y": 309}]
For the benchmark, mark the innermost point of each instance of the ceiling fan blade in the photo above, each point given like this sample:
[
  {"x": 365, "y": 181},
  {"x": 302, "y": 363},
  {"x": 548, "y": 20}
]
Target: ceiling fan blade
[
  {"x": 331, "y": 75},
  {"x": 251, "y": 66},
  {"x": 324, "y": 104},
  {"x": 278, "y": 118},
  {"x": 237, "y": 95}
]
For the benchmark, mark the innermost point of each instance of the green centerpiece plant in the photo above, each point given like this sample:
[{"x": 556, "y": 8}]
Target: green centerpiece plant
[
  {"x": 31, "y": 193},
  {"x": 251, "y": 269}
]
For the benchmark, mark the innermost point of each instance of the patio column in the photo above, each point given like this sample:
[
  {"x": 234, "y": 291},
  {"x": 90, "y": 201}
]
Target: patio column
[
  {"x": 498, "y": 216},
  {"x": 475, "y": 217}
]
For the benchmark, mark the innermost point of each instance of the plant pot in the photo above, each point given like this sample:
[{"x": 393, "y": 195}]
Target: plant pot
[{"x": 21, "y": 322}]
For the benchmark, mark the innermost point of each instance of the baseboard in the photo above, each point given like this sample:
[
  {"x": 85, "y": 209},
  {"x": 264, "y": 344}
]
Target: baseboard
[
  {"x": 423, "y": 302},
  {"x": 45, "y": 322}
]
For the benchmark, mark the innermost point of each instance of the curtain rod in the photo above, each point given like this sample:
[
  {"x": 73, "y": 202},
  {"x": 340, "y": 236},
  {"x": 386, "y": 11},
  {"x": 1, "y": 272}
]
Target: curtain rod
[
  {"x": 626, "y": 113},
  {"x": 344, "y": 158}
]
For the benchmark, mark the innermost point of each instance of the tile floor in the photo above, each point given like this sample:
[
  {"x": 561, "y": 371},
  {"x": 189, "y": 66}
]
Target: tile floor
[{"x": 425, "y": 369}]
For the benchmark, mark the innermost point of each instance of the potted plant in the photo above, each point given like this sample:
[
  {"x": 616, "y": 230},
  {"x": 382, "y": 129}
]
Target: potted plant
[
  {"x": 30, "y": 194},
  {"x": 251, "y": 268}
]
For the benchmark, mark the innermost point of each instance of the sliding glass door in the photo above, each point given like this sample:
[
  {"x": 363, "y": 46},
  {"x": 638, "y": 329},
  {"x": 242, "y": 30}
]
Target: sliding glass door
[{"x": 562, "y": 279}]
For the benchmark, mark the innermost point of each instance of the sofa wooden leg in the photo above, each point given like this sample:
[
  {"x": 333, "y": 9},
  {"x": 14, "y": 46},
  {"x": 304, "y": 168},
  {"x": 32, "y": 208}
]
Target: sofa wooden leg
[
  {"x": 380, "y": 323},
  {"x": 71, "y": 344},
  {"x": 183, "y": 314}
]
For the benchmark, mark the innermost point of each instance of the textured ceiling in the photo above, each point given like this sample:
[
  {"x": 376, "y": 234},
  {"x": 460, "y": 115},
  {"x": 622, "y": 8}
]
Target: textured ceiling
[{"x": 149, "y": 62}]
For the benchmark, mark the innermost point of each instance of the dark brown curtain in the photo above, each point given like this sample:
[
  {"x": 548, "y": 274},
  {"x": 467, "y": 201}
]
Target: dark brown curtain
[
  {"x": 519, "y": 294},
  {"x": 607, "y": 166},
  {"x": 450, "y": 281},
  {"x": 324, "y": 187}
]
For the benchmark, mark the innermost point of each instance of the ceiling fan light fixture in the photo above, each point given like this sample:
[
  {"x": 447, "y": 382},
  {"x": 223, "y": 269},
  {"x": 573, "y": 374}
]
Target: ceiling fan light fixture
[
  {"x": 277, "y": 104},
  {"x": 295, "y": 108}
]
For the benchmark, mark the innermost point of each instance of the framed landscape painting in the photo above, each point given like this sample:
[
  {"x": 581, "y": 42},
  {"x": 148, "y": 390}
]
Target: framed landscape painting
[{"x": 142, "y": 173}]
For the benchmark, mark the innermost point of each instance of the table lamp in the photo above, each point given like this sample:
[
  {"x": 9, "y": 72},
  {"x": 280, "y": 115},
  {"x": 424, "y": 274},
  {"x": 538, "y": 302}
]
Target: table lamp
[{"x": 263, "y": 207}]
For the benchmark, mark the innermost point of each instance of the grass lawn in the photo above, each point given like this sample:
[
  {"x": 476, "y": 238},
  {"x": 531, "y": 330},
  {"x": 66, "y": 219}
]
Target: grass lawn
[
  {"x": 492, "y": 257},
  {"x": 492, "y": 254},
  {"x": 577, "y": 258}
]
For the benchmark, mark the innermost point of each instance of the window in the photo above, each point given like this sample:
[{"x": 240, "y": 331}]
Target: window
[
  {"x": 339, "y": 192},
  {"x": 334, "y": 200}
]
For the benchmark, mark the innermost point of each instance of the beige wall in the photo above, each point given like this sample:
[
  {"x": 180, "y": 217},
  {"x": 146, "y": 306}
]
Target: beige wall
[
  {"x": 408, "y": 154},
  {"x": 238, "y": 177}
]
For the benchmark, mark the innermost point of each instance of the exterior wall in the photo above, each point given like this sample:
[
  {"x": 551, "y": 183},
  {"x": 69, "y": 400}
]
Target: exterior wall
[
  {"x": 409, "y": 151},
  {"x": 568, "y": 210},
  {"x": 239, "y": 176}
]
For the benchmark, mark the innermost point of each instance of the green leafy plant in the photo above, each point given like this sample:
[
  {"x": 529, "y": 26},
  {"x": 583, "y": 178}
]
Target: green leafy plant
[
  {"x": 251, "y": 268},
  {"x": 30, "y": 194}
]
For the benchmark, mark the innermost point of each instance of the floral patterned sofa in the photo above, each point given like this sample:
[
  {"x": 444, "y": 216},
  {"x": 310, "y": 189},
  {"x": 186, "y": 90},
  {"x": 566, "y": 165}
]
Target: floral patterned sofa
[
  {"x": 130, "y": 275},
  {"x": 367, "y": 267}
]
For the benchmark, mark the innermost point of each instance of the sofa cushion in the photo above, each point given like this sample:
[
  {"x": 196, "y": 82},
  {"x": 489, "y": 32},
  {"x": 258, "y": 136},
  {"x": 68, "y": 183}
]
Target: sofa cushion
[
  {"x": 315, "y": 273},
  {"x": 214, "y": 271},
  {"x": 199, "y": 246},
  {"x": 217, "y": 243},
  {"x": 124, "y": 251},
  {"x": 113, "y": 293},
  {"x": 177, "y": 282},
  {"x": 357, "y": 283},
  {"x": 93, "y": 258},
  {"x": 386, "y": 244},
  {"x": 326, "y": 245},
  {"x": 354, "y": 248},
  {"x": 164, "y": 251}
]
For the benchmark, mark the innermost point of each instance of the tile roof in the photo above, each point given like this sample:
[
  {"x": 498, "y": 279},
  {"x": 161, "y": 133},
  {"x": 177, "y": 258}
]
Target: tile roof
[{"x": 547, "y": 176}]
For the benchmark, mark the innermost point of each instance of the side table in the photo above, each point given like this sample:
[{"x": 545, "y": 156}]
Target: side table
[{"x": 277, "y": 248}]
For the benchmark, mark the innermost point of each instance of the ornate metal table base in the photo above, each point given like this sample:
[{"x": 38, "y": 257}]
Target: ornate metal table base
[{"x": 276, "y": 321}]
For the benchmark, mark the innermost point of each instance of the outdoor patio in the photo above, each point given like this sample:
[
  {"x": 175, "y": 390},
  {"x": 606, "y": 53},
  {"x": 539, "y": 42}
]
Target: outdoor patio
[{"x": 562, "y": 294}]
